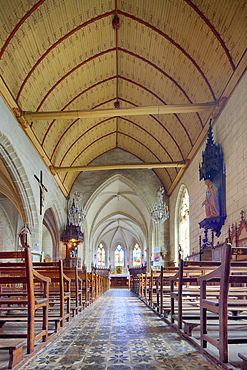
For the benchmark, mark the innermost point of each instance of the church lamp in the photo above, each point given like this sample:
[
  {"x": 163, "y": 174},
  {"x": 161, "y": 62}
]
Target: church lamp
[{"x": 72, "y": 236}]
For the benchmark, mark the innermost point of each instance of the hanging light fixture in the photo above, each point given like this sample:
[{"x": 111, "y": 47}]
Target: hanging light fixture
[
  {"x": 76, "y": 213},
  {"x": 159, "y": 212},
  {"x": 72, "y": 236}
]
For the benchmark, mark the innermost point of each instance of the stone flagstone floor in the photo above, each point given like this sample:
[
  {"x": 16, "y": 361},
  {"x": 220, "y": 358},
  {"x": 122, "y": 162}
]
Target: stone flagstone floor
[{"x": 118, "y": 332}]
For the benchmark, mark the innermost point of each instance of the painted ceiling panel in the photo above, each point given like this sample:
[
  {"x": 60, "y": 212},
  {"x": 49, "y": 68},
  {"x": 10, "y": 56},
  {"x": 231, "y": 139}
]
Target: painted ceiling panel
[
  {"x": 83, "y": 101},
  {"x": 74, "y": 55}
]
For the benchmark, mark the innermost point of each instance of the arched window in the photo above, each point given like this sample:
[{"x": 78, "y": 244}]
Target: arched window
[
  {"x": 101, "y": 255},
  {"x": 184, "y": 223},
  {"x": 119, "y": 256},
  {"x": 137, "y": 255}
]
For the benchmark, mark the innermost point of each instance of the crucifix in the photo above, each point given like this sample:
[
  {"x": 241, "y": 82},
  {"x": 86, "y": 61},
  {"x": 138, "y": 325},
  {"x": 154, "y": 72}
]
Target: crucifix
[{"x": 42, "y": 192}]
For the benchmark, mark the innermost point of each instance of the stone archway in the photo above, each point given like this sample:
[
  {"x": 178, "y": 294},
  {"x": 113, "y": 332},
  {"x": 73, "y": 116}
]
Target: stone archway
[
  {"x": 14, "y": 183},
  {"x": 50, "y": 224}
]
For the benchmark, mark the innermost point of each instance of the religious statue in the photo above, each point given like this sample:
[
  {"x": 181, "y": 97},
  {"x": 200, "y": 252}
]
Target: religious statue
[
  {"x": 212, "y": 171},
  {"x": 211, "y": 202},
  {"x": 180, "y": 253},
  {"x": 25, "y": 236},
  {"x": 47, "y": 258}
]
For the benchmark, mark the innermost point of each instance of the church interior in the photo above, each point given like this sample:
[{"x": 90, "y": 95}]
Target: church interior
[{"x": 123, "y": 172}]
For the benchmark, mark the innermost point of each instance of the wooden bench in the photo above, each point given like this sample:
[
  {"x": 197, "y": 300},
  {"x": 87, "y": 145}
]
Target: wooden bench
[
  {"x": 83, "y": 275},
  {"x": 104, "y": 274},
  {"x": 135, "y": 284},
  {"x": 226, "y": 274},
  {"x": 243, "y": 356},
  {"x": 164, "y": 291},
  {"x": 92, "y": 286},
  {"x": 24, "y": 275},
  {"x": 15, "y": 348},
  {"x": 76, "y": 288},
  {"x": 159, "y": 290},
  {"x": 60, "y": 291},
  {"x": 186, "y": 295}
]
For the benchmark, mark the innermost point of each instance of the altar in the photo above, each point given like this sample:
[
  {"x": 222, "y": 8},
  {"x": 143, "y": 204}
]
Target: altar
[{"x": 119, "y": 280}]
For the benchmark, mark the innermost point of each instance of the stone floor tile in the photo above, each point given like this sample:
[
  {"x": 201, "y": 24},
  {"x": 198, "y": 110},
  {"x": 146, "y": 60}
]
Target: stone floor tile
[{"x": 118, "y": 332}]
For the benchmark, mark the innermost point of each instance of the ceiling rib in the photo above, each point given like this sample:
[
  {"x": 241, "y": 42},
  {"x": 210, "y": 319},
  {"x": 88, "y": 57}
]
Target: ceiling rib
[
  {"x": 212, "y": 28},
  {"x": 121, "y": 166},
  {"x": 122, "y": 77},
  {"x": 107, "y": 135},
  {"x": 115, "y": 24},
  {"x": 141, "y": 21},
  {"x": 136, "y": 111},
  {"x": 108, "y": 79},
  {"x": 18, "y": 25},
  {"x": 57, "y": 43}
]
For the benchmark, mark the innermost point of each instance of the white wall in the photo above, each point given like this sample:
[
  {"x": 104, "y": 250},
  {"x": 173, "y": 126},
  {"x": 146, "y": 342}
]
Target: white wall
[
  {"x": 230, "y": 132},
  {"x": 29, "y": 163}
]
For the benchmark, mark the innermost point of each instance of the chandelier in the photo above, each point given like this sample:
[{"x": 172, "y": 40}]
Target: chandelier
[
  {"x": 76, "y": 213},
  {"x": 159, "y": 212}
]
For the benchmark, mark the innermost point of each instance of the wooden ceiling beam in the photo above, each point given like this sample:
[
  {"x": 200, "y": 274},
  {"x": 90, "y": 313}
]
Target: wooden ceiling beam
[
  {"x": 133, "y": 111},
  {"x": 120, "y": 166}
]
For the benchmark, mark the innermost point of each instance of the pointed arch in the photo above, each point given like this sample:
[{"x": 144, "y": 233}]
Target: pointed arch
[
  {"x": 15, "y": 184},
  {"x": 49, "y": 221},
  {"x": 182, "y": 223},
  {"x": 137, "y": 255},
  {"x": 7, "y": 237},
  {"x": 101, "y": 255},
  {"x": 119, "y": 255}
]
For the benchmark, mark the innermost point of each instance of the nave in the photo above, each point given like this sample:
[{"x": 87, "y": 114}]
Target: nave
[{"x": 118, "y": 331}]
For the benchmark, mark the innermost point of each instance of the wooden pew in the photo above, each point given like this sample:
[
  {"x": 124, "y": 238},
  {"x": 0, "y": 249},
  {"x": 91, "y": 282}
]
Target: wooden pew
[
  {"x": 187, "y": 296},
  {"x": 184, "y": 299},
  {"x": 160, "y": 294},
  {"x": 83, "y": 275},
  {"x": 15, "y": 348},
  {"x": 226, "y": 274},
  {"x": 103, "y": 272},
  {"x": 134, "y": 281},
  {"x": 135, "y": 284},
  {"x": 92, "y": 286},
  {"x": 146, "y": 283},
  {"x": 243, "y": 356},
  {"x": 25, "y": 298},
  {"x": 76, "y": 289},
  {"x": 60, "y": 291},
  {"x": 153, "y": 299},
  {"x": 97, "y": 282},
  {"x": 165, "y": 289}
]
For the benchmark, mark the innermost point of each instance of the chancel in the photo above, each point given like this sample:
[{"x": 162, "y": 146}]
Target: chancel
[{"x": 123, "y": 184}]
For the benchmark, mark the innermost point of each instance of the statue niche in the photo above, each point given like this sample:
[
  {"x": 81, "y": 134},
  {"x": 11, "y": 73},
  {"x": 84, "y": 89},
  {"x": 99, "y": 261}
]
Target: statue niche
[{"x": 213, "y": 172}]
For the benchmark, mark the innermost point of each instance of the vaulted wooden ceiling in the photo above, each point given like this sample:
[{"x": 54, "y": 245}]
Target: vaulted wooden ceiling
[{"x": 70, "y": 55}]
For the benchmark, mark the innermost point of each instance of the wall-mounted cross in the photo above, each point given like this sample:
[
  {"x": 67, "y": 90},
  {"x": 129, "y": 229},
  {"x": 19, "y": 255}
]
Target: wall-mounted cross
[{"x": 42, "y": 192}]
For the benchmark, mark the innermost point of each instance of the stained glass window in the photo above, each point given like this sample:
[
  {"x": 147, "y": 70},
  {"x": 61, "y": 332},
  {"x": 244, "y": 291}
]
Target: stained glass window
[
  {"x": 137, "y": 255},
  {"x": 119, "y": 256},
  {"x": 101, "y": 255},
  {"x": 184, "y": 223}
]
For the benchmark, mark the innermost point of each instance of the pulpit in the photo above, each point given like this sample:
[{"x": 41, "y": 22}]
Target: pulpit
[{"x": 72, "y": 236}]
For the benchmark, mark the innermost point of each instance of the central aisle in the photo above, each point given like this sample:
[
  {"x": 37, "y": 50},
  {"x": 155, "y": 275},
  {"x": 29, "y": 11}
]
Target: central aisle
[{"x": 119, "y": 332}]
